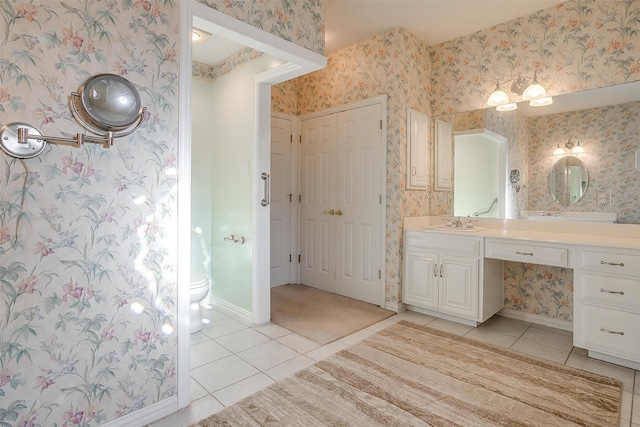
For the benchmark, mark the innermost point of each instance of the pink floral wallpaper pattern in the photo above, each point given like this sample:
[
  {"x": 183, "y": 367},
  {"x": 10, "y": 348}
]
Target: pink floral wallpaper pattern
[{"x": 87, "y": 235}]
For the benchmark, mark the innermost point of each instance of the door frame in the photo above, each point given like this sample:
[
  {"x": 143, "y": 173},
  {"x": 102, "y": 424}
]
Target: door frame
[
  {"x": 297, "y": 61},
  {"x": 382, "y": 100}
]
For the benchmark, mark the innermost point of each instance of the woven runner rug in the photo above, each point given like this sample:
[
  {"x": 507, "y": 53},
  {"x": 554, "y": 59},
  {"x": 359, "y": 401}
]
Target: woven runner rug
[{"x": 411, "y": 375}]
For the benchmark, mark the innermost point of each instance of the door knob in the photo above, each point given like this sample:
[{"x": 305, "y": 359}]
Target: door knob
[
  {"x": 331, "y": 212},
  {"x": 339, "y": 212}
]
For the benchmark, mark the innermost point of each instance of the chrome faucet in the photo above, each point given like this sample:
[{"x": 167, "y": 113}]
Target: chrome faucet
[{"x": 457, "y": 223}]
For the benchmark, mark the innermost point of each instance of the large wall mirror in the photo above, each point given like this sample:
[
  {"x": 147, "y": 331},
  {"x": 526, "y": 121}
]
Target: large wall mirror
[
  {"x": 605, "y": 121},
  {"x": 568, "y": 180}
]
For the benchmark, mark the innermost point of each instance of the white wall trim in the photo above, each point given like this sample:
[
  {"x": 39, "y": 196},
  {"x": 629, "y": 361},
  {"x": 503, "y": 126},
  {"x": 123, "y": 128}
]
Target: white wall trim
[
  {"x": 232, "y": 309},
  {"x": 147, "y": 414},
  {"x": 298, "y": 61},
  {"x": 397, "y": 307},
  {"x": 380, "y": 99},
  {"x": 565, "y": 325}
]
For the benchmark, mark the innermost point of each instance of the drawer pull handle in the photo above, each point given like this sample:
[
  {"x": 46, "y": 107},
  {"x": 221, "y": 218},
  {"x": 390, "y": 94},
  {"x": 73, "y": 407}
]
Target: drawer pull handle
[
  {"x": 440, "y": 270},
  {"x": 611, "y": 292},
  {"x": 524, "y": 253},
  {"x": 435, "y": 270},
  {"x": 619, "y": 264},
  {"x": 612, "y": 332}
]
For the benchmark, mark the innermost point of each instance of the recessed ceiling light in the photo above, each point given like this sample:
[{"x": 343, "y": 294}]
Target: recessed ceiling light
[{"x": 198, "y": 36}]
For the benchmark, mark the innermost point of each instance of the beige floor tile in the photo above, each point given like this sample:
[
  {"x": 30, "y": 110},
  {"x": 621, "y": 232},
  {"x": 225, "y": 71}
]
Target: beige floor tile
[
  {"x": 326, "y": 350},
  {"x": 268, "y": 355},
  {"x": 298, "y": 343},
  {"x": 198, "y": 410},
  {"x": 491, "y": 337},
  {"x": 217, "y": 375},
  {"x": 222, "y": 327},
  {"x": 505, "y": 326},
  {"x": 197, "y": 338},
  {"x": 238, "y": 391},
  {"x": 377, "y": 327},
  {"x": 413, "y": 316},
  {"x": 626, "y": 406},
  {"x": 536, "y": 349},
  {"x": 206, "y": 352},
  {"x": 579, "y": 359},
  {"x": 290, "y": 367},
  {"x": 242, "y": 340},
  {"x": 356, "y": 337},
  {"x": 552, "y": 329},
  {"x": 196, "y": 391},
  {"x": 272, "y": 330},
  {"x": 451, "y": 327},
  {"x": 548, "y": 338},
  {"x": 635, "y": 419}
]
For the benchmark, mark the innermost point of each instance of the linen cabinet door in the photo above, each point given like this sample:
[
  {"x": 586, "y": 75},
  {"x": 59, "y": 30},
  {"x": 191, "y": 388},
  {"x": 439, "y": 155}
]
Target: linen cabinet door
[
  {"x": 420, "y": 283},
  {"x": 458, "y": 289}
]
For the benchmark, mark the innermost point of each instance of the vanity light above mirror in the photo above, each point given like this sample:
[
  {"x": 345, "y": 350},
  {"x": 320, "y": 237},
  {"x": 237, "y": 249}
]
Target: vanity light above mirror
[
  {"x": 107, "y": 105},
  {"x": 533, "y": 92}
]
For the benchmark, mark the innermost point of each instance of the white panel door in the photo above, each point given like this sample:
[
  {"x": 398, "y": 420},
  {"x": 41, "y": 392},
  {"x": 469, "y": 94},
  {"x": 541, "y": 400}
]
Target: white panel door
[
  {"x": 280, "y": 192},
  {"x": 317, "y": 186},
  {"x": 358, "y": 209}
]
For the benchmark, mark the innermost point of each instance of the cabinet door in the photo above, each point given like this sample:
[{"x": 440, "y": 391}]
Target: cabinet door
[
  {"x": 417, "y": 150},
  {"x": 458, "y": 286},
  {"x": 444, "y": 155},
  {"x": 419, "y": 284}
]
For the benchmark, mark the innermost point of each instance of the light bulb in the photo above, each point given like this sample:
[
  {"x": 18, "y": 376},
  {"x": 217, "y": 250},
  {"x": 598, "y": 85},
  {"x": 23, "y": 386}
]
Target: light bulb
[
  {"x": 507, "y": 107},
  {"x": 542, "y": 102},
  {"x": 498, "y": 97}
]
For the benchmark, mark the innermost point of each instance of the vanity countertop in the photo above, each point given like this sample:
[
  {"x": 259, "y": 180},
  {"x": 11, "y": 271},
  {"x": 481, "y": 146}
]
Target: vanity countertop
[{"x": 625, "y": 236}]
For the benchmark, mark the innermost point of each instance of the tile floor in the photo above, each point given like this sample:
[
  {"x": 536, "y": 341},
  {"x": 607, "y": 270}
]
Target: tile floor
[{"x": 231, "y": 359}]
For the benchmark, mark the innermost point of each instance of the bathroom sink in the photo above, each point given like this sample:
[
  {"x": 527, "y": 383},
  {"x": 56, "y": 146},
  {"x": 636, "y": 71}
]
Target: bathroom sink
[{"x": 454, "y": 229}]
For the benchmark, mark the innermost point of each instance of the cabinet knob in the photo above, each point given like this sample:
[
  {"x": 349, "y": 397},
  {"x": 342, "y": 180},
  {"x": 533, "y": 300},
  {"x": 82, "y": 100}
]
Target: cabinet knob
[
  {"x": 331, "y": 212},
  {"x": 339, "y": 212}
]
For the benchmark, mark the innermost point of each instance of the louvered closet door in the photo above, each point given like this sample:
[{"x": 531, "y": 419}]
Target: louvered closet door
[
  {"x": 359, "y": 174},
  {"x": 318, "y": 183}
]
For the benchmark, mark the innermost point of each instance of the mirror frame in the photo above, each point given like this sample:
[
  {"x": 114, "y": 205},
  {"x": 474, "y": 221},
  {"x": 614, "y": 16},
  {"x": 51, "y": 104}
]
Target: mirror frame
[{"x": 566, "y": 196}]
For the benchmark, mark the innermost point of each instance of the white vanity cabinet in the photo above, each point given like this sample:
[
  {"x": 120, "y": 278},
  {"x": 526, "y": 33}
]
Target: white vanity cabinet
[
  {"x": 607, "y": 304},
  {"x": 446, "y": 276}
]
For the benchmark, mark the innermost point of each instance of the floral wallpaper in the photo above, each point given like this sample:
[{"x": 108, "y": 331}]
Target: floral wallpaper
[
  {"x": 536, "y": 289},
  {"x": 88, "y": 234},
  {"x": 611, "y": 137},
  {"x": 298, "y": 21},
  {"x": 576, "y": 45},
  {"x": 394, "y": 63},
  {"x": 227, "y": 65}
]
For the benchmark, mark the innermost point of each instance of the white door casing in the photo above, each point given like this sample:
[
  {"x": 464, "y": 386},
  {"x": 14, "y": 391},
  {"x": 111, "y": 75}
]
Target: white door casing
[{"x": 281, "y": 199}]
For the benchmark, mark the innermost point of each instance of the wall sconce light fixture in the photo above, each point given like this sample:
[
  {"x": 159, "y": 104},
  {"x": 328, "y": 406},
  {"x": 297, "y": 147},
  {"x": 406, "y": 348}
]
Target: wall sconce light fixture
[
  {"x": 107, "y": 105},
  {"x": 570, "y": 146},
  {"x": 535, "y": 93}
]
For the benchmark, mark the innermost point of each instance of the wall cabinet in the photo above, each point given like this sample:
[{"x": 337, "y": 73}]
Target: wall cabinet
[
  {"x": 444, "y": 156},
  {"x": 448, "y": 277},
  {"x": 607, "y": 304},
  {"x": 418, "y": 131}
]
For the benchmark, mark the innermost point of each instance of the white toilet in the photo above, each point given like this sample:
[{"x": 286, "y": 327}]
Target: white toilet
[{"x": 199, "y": 290}]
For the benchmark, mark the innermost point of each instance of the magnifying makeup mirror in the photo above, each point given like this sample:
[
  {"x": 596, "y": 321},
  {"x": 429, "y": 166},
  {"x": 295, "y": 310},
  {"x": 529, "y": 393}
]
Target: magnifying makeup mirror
[{"x": 106, "y": 105}]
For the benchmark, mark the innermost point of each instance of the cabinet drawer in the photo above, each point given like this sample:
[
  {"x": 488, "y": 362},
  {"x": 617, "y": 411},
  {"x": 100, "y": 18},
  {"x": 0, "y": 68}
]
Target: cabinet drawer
[
  {"x": 533, "y": 254},
  {"x": 610, "y": 261},
  {"x": 608, "y": 331},
  {"x": 451, "y": 244},
  {"x": 614, "y": 291}
]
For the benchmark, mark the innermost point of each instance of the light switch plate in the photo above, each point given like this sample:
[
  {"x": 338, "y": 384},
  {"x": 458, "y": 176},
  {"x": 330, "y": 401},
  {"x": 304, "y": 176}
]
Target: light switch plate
[{"x": 244, "y": 167}]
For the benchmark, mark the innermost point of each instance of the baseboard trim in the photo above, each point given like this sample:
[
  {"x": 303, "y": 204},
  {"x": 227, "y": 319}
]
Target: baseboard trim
[
  {"x": 397, "y": 307},
  {"x": 565, "y": 325},
  {"x": 232, "y": 309},
  {"x": 147, "y": 415}
]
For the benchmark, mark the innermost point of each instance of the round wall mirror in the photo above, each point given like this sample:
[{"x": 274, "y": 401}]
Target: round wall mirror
[
  {"x": 109, "y": 103},
  {"x": 568, "y": 180}
]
